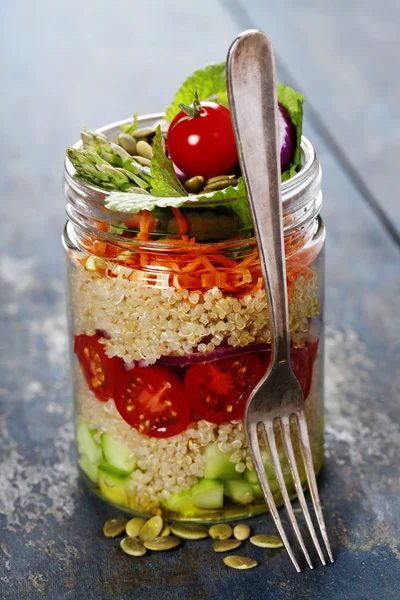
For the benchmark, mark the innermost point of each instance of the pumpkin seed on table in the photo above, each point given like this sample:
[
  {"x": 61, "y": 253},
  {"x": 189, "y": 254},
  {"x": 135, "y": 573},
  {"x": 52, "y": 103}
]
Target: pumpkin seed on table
[
  {"x": 266, "y": 541},
  {"x": 240, "y": 562},
  {"x": 226, "y": 545},
  {"x": 144, "y": 149},
  {"x": 220, "y": 531},
  {"x": 189, "y": 531},
  {"x": 241, "y": 532},
  {"x": 220, "y": 185},
  {"x": 114, "y": 527},
  {"x": 127, "y": 142},
  {"x": 151, "y": 529},
  {"x": 134, "y": 526},
  {"x": 219, "y": 178},
  {"x": 194, "y": 184},
  {"x": 132, "y": 546},
  {"x": 145, "y": 162},
  {"x": 166, "y": 531},
  {"x": 160, "y": 544}
]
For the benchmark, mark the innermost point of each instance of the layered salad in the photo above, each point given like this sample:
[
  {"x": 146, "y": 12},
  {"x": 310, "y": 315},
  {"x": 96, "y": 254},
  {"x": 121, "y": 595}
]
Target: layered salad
[{"x": 169, "y": 317}]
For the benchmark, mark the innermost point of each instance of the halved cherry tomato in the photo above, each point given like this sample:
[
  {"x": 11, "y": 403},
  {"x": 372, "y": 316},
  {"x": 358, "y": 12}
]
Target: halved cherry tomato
[
  {"x": 152, "y": 400},
  {"x": 100, "y": 371},
  {"x": 218, "y": 390},
  {"x": 302, "y": 362}
]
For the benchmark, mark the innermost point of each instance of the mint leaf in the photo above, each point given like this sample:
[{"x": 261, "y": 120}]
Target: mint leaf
[
  {"x": 164, "y": 181},
  {"x": 129, "y": 128},
  {"x": 209, "y": 83},
  {"x": 293, "y": 102}
]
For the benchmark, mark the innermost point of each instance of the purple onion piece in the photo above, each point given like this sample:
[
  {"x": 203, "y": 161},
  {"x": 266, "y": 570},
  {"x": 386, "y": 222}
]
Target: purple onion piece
[
  {"x": 220, "y": 352},
  {"x": 103, "y": 334},
  {"x": 180, "y": 174},
  {"x": 287, "y": 138}
]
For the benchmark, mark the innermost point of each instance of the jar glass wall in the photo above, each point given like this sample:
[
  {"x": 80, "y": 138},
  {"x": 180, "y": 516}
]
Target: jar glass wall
[{"x": 170, "y": 331}]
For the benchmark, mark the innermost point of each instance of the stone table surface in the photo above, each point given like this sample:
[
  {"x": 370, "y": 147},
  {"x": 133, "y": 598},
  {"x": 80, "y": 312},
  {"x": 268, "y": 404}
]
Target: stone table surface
[{"x": 66, "y": 64}]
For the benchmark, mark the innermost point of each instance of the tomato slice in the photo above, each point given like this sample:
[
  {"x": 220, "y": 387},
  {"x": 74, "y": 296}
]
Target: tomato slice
[
  {"x": 152, "y": 400},
  {"x": 218, "y": 390},
  {"x": 302, "y": 362},
  {"x": 100, "y": 371}
]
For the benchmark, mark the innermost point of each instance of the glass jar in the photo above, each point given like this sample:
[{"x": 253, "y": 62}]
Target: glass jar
[{"x": 170, "y": 331}]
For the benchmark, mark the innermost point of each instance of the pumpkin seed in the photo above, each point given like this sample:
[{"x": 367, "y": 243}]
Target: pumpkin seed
[
  {"x": 166, "y": 531},
  {"x": 240, "y": 562},
  {"x": 220, "y": 185},
  {"x": 194, "y": 184},
  {"x": 266, "y": 541},
  {"x": 241, "y": 532},
  {"x": 145, "y": 162},
  {"x": 189, "y": 531},
  {"x": 144, "y": 149},
  {"x": 226, "y": 545},
  {"x": 134, "y": 526},
  {"x": 164, "y": 125},
  {"x": 151, "y": 529},
  {"x": 132, "y": 546},
  {"x": 219, "y": 178},
  {"x": 220, "y": 532},
  {"x": 143, "y": 132},
  {"x": 114, "y": 527},
  {"x": 127, "y": 142},
  {"x": 162, "y": 543}
]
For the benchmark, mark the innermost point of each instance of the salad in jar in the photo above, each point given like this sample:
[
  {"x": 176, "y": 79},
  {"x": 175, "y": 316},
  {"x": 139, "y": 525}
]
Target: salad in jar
[{"x": 169, "y": 320}]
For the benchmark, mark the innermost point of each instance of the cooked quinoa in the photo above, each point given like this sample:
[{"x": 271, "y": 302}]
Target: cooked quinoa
[{"x": 147, "y": 322}]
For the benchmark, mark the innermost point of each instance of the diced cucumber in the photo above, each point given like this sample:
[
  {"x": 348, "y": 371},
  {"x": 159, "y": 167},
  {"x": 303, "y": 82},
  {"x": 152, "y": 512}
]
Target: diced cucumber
[
  {"x": 89, "y": 468},
  {"x": 87, "y": 445},
  {"x": 238, "y": 490},
  {"x": 208, "y": 493},
  {"x": 113, "y": 486},
  {"x": 256, "y": 489},
  {"x": 217, "y": 465},
  {"x": 117, "y": 455},
  {"x": 181, "y": 503},
  {"x": 251, "y": 477}
]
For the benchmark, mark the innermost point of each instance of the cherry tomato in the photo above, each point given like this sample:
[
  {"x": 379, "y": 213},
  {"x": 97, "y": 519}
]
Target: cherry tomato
[
  {"x": 218, "y": 390},
  {"x": 203, "y": 144},
  {"x": 152, "y": 400},
  {"x": 100, "y": 371}
]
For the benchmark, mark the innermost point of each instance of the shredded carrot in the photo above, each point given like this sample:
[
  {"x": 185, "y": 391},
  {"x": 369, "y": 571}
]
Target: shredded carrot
[{"x": 183, "y": 226}]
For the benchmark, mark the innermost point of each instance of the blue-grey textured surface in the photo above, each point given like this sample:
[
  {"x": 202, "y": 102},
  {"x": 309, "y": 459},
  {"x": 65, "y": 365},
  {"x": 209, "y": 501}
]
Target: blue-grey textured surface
[{"x": 66, "y": 64}]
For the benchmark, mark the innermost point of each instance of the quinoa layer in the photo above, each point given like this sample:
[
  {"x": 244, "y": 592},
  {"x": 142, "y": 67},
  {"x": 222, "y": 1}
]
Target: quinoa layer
[{"x": 147, "y": 322}]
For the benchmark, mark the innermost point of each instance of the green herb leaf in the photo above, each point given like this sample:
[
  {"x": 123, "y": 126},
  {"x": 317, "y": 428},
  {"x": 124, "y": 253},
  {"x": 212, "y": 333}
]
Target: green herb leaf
[
  {"x": 293, "y": 102},
  {"x": 129, "y": 202},
  {"x": 129, "y": 128},
  {"x": 164, "y": 181},
  {"x": 209, "y": 83}
]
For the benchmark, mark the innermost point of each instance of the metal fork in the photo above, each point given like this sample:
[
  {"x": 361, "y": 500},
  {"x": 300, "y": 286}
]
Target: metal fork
[{"x": 278, "y": 398}]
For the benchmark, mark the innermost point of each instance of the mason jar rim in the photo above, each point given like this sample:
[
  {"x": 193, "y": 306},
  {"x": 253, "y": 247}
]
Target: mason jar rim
[{"x": 297, "y": 191}]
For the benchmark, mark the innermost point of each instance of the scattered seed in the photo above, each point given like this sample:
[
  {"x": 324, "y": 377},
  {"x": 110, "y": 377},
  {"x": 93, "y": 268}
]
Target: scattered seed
[
  {"x": 219, "y": 178},
  {"x": 144, "y": 149},
  {"x": 151, "y": 529},
  {"x": 220, "y": 185},
  {"x": 114, "y": 527},
  {"x": 132, "y": 546},
  {"x": 134, "y": 526},
  {"x": 189, "y": 531},
  {"x": 166, "y": 530},
  {"x": 220, "y": 531},
  {"x": 145, "y": 162},
  {"x": 162, "y": 543},
  {"x": 143, "y": 132},
  {"x": 194, "y": 184},
  {"x": 127, "y": 142},
  {"x": 240, "y": 562},
  {"x": 226, "y": 545},
  {"x": 266, "y": 541},
  {"x": 241, "y": 532}
]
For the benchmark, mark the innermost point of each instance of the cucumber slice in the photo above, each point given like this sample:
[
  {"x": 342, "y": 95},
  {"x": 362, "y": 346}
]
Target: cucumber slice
[
  {"x": 87, "y": 445},
  {"x": 89, "y": 468},
  {"x": 117, "y": 455},
  {"x": 113, "y": 486},
  {"x": 208, "y": 493},
  {"x": 257, "y": 492},
  {"x": 239, "y": 491},
  {"x": 251, "y": 477},
  {"x": 181, "y": 503},
  {"x": 217, "y": 465}
]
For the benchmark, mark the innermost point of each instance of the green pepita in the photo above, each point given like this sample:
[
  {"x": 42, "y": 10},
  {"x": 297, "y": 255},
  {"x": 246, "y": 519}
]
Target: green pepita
[
  {"x": 219, "y": 178},
  {"x": 266, "y": 541},
  {"x": 220, "y": 531},
  {"x": 127, "y": 142},
  {"x": 143, "y": 132},
  {"x": 145, "y": 162},
  {"x": 194, "y": 184},
  {"x": 166, "y": 531},
  {"x": 132, "y": 546},
  {"x": 144, "y": 149},
  {"x": 189, "y": 531},
  {"x": 162, "y": 543},
  {"x": 219, "y": 185},
  {"x": 134, "y": 526},
  {"x": 226, "y": 545},
  {"x": 240, "y": 562},
  {"x": 151, "y": 529},
  {"x": 114, "y": 527},
  {"x": 241, "y": 532}
]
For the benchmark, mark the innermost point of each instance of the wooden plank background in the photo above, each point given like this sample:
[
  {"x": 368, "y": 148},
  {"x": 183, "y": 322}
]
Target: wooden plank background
[{"x": 67, "y": 64}]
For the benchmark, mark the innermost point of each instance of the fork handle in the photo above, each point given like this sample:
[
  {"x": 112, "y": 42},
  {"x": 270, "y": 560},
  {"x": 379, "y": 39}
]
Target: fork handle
[{"x": 251, "y": 81}]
